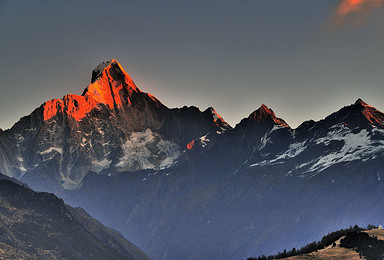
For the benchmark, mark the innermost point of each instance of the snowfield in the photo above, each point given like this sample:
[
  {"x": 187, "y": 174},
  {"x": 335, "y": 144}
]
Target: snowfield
[
  {"x": 147, "y": 150},
  {"x": 362, "y": 145}
]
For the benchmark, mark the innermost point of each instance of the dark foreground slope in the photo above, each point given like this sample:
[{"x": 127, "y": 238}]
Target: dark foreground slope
[
  {"x": 39, "y": 226},
  {"x": 107, "y": 235}
]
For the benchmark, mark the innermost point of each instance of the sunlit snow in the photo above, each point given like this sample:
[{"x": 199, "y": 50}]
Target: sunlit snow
[
  {"x": 98, "y": 166},
  {"x": 204, "y": 140},
  {"x": 57, "y": 149},
  {"x": 356, "y": 146}
]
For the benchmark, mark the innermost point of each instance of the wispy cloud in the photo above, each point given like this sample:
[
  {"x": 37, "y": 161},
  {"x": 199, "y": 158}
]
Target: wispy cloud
[{"x": 347, "y": 7}]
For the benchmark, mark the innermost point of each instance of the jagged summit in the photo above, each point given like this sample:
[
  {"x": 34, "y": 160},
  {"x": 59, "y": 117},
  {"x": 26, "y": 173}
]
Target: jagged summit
[
  {"x": 374, "y": 116},
  {"x": 357, "y": 115},
  {"x": 111, "y": 69},
  {"x": 360, "y": 102},
  {"x": 100, "y": 68},
  {"x": 216, "y": 116},
  {"x": 360, "y": 111},
  {"x": 100, "y": 130},
  {"x": 265, "y": 113},
  {"x": 259, "y": 123},
  {"x": 218, "y": 120},
  {"x": 261, "y": 113},
  {"x": 110, "y": 86}
]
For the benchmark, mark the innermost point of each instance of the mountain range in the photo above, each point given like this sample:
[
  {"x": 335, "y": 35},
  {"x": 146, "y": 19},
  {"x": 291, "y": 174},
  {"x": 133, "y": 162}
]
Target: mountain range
[{"x": 183, "y": 184}]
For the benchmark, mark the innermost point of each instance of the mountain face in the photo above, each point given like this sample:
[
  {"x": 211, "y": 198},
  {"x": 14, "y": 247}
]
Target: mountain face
[
  {"x": 112, "y": 127},
  {"x": 355, "y": 133},
  {"x": 39, "y": 226},
  {"x": 182, "y": 184}
]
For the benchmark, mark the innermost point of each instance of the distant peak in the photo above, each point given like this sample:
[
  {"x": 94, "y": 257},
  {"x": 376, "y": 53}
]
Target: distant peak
[
  {"x": 360, "y": 102},
  {"x": 97, "y": 72},
  {"x": 362, "y": 106},
  {"x": 374, "y": 116},
  {"x": 215, "y": 115},
  {"x": 217, "y": 119},
  {"x": 261, "y": 113},
  {"x": 266, "y": 110},
  {"x": 266, "y": 113}
]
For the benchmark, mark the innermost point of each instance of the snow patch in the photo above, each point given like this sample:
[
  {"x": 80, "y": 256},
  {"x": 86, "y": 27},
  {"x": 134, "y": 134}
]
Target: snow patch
[
  {"x": 264, "y": 141},
  {"x": 276, "y": 127},
  {"x": 57, "y": 149},
  {"x": 99, "y": 69},
  {"x": 292, "y": 151},
  {"x": 69, "y": 184},
  {"x": 359, "y": 146},
  {"x": 147, "y": 150},
  {"x": 204, "y": 140},
  {"x": 98, "y": 166},
  {"x": 300, "y": 166}
]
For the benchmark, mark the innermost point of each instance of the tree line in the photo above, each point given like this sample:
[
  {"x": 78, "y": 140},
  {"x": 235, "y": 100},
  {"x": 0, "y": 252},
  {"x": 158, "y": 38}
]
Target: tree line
[{"x": 326, "y": 241}]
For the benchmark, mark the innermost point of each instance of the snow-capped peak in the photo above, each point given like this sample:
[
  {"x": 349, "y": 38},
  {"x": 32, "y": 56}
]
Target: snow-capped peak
[
  {"x": 215, "y": 115},
  {"x": 99, "y": 69},
  {"x": 218, "y": 120},
  {"x": 111, "y": 86},
  {"x": 113, "y": 71}
]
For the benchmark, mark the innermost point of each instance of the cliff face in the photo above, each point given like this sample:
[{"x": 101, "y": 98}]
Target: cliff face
[{"x": 112, "y": 127}]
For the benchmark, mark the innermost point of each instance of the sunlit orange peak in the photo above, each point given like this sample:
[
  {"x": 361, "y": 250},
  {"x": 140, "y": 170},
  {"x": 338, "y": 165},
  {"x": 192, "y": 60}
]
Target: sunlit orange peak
[
  {"x": 216, "y": 116},
  {"x": 265, "y": 112},
  {"x": 374, "y": 116},
  {"x": 110, "y": 85},
  {"x": 52, "y": 107},
  {"x": 108, "y": 81}
]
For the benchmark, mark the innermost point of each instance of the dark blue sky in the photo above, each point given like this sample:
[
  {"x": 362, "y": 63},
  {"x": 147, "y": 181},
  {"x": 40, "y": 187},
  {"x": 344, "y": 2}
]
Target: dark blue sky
[{"x": 294, "y": 56}]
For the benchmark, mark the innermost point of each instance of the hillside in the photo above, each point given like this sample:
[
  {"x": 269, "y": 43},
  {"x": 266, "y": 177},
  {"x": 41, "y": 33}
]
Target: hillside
[
  {"x": 352, "y": 245},
  {"x": 39, "y": 226}
]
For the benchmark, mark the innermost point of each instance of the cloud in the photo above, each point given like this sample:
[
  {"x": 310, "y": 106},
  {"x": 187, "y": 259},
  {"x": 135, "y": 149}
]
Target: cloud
[{"x": 347, "y": 7}]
